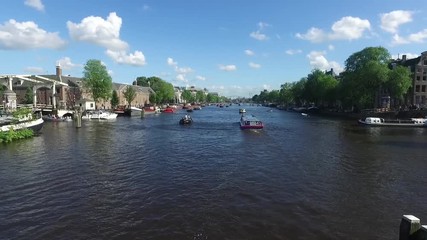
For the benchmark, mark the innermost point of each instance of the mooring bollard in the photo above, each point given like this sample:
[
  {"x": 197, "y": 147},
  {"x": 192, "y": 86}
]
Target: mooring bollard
[
  {"x": 142, "y": 113},
  {"x": 409, "y": 225},
  {"x": 79, "y": 118}
]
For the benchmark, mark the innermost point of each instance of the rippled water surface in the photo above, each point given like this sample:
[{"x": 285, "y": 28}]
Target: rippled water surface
[{"x": 131, "y": 178}]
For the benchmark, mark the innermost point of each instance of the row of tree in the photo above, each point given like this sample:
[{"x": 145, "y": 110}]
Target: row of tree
[
  {"x": 369, "y": 74},
  {"x": 99, "y": 83}
]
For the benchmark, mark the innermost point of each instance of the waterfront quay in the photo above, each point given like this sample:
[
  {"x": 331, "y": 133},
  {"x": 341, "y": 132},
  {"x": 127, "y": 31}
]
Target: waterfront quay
[{"x": 301, "y": 177}]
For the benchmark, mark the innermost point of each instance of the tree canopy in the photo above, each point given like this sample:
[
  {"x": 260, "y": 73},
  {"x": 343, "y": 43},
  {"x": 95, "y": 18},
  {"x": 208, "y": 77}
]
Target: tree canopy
[
  {"x": 97, "y": 81},
  {"x": 114, "y": 99},
  {"x": 129, "y": 94},
  {"x": 164, "y": 91}
]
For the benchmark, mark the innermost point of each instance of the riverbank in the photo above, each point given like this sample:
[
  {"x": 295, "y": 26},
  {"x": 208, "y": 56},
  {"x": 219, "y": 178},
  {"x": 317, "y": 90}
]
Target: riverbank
[{"x": 363, "y": 114}]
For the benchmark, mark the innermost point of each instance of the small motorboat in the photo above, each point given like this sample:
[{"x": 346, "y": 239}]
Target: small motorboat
[
  {"x": 186, "y": 120},
  {"x": 242, "y": 110}
]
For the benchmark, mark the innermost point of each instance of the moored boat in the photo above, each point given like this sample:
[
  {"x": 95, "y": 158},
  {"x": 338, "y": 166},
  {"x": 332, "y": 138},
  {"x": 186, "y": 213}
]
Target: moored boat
[
  {"x": 381, "y": 122},
  {"x": 19, "y": 123},
  {"x": 250, "y": 122},
  {"x": 99, "y": 115}
]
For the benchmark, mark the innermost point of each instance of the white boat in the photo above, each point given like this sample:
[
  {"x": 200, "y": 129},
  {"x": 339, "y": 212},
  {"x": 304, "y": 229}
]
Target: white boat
[
  {"x": 381, "y": 122},
  {"x": 250, "y": 122},
  {"x": 99, "y": 115},
  {"x": 7, "y": 124}
]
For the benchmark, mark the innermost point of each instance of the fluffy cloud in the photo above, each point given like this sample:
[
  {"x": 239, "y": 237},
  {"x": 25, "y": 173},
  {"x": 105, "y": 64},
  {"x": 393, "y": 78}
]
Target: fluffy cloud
[
  {"x": 391, "y": 21},
  {"x": 122, "y": 57},
  {"x": 27, "y": 35},
  {"x": 249, "y": 52},
  {"x": 171, "y": 62},
  {"x": 254, "y": 65},
  {"x": 419, "y": 37},
  {"x": 200, "y": 78},
  {"x": 105, "y": 33},
  {"x": 293, "y": 51},
  {"x": 257, "y": 34},
  {"x": 318, "y": 60},
  {"x": 66, "y": 63},
  {"x": 36, "y": 4},
  {"x": 347, "y": 28},
  {"x": 228, "y": 68}
]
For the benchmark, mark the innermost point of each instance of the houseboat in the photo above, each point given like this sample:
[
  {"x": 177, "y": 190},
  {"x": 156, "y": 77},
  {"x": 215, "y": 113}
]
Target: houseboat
[
  {"x": 250, "y": 122},
  {"x": 381, "y": 122}
]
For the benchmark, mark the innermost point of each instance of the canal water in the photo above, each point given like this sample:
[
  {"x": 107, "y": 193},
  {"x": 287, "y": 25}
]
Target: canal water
[{"x": 132, "y": 178}]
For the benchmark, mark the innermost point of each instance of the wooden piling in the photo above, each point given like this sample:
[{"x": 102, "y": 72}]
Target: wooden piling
[{"x": 79, "y": 117}]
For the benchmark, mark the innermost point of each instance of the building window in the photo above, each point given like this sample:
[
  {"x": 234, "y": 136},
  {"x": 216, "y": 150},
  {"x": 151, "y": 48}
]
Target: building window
[
  {"x": 417, "y": 99},
  {"x": 418, "y": 78},
  {"x": 417, "y": 88},
  {"x": 424, "y": 78},
  {"x": 425, "y": 62},
  {"x": 423, "y": 99},
  {"x": 423, "y": 88}
]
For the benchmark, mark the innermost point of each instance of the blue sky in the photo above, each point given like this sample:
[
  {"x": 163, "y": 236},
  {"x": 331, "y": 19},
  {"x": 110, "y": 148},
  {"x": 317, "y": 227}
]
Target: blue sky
[{"x": 234, "y": 47}]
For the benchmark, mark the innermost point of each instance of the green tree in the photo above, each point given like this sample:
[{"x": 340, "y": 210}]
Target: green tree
[
  {"x": 200, "y": 96},
  {"x": 97, "y": 81},
  {"x": 114, "y": 99},
  {"x": 366, "y": 72},
  {"x": 286, "y": 96},
  {"x": 188, "y": 96},
  {"x": 129, "y": 94},
  {"x": 29, "y": 96},
  {"x": 399, "y": 82},
  {"x": 164, "y": 91},
  {"x": 212, "y": 98}
]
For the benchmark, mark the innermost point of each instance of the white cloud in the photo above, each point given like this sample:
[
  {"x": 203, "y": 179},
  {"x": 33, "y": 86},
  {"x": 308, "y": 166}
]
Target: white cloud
[
  {"x": 391, "y": 21},
  {"x": 122, "y": 57},
  {"x": 419, "y": 37},
  {"x": 293, "y": 51},
  {"x": 318, "y": 61},
  {"x": 181, "y": 78},
  {"x": 258, "y": 36},
  {"x": 201, "y": 78},
  {"x": 254, "y": 65},
  {"x": 331, "y": 47},
  {"x": 66, "y": 63},
  {"x": 184, "y": 70},
  {"x": 36, "y": 4},
  {"x": 171, "y": 62},
  {"x": 228, "y": 68},
  {"x": 313, "y": 35},
  {"x": 35, "y": 70},
  {"x": 27, "y": 35},
  {"x": 96, "y": 30},
  {"x": 249, "y": 52},
  {"x": 347, "y": 28}
]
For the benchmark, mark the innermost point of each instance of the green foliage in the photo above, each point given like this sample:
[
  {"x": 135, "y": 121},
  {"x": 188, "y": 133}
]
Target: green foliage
[
  {"x": 188, "y": 96},
  {"x": 200, "y": 96},
  {"x": 129, "y": 94},
  {"x": 212, "y": 98},
  {"x": 164, "y": 91},
  {"x": 114, "y": 99},
  {"x": 29, "y": 96},
  {"x": 21, "y": 112},
  {"x": 97, "y": 80},
  {"x": 12, "y": 135},
  {"x": 399, "y": 82}
]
